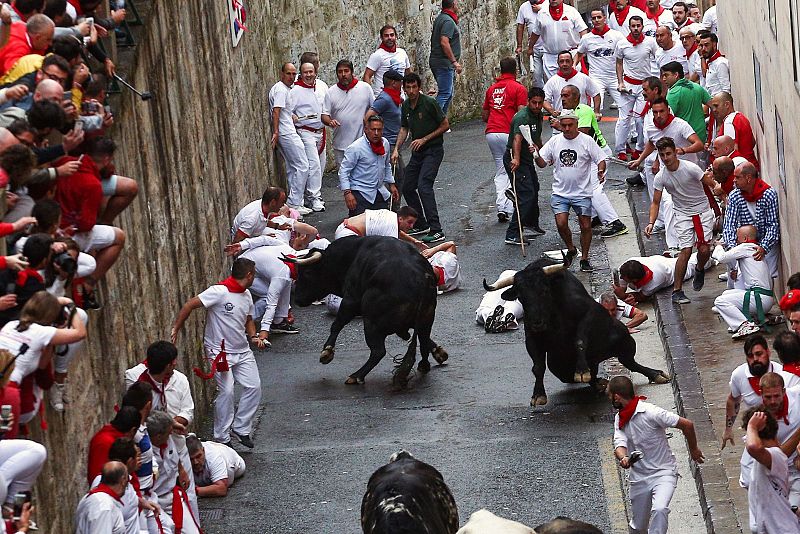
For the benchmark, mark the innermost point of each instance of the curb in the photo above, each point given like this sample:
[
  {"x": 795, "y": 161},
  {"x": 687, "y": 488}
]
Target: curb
[{"x": 710, "y": 477}]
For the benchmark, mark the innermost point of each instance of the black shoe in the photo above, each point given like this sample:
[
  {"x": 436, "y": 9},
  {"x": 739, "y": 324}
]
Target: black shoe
[
  {"x": 515, "y": 241},
  {"x": 508, "y": 320},
  {"x": 244, "y": 439},
  {"x": 419, "y": 231},
  {"x": 492, "y": 321},
  {"x": 699, "y": 279},
  {"x": 679, "y": 297},
  {"x": 570, "y": 257},
  {"x": 596, "y": 222},
  {"x": 536, "y": 230},
  {"x": 502, "y": 216},
  {"x": 614, "y": 229},
  {"x": 586, "y": 267},
  {"x": 636, "y": 179},
  {"x": 284, "y": 328},
  {"x": 226, "y": 443}
]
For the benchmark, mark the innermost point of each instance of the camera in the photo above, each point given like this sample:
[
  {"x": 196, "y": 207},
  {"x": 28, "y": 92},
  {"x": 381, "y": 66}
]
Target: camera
[
  {"x": 5, "y": 418},
  {"x": 89, "y": 108},
  {"x": 66, "y": 263},
  {"x": 19, "y": 501}
]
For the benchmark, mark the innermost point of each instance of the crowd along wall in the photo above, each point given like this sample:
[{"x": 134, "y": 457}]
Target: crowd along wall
[{"x": 199, "y": 151}]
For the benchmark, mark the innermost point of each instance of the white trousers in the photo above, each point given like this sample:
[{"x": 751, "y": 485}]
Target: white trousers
[
  {"x": 666, "y": 211},
  {"x": 601, "y": 205},
  {"x": 271, "y": 299},
  {"x": 147, "y": 519},
  {"x": 537, "y": 68},
  {"x": 730, "y": 305},
  {"x": 549, "y": 66},
  {"x": 244, "y": 371},
  {"x": 497, "y": 146},
  {"x": 509, "y": 306},
  {"x": 64, "y": 354},
  {"x": 311, "y": 142},
  {"x": 628, "y": 118},
  {"x": 294, "y": 155},
  {"x": 21, "y": 460},
  {"x": 605, "y": 83},
  {"x": 650, "y": 504}
]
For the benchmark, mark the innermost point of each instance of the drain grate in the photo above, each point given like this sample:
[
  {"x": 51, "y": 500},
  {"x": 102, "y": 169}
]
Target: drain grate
[{"x": 210, "y": 514}]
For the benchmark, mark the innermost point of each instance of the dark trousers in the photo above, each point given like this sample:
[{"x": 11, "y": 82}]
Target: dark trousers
[
  {"x": 418, "y": 183},
  {"x": 363, "y": 204},
  {"x": 527, "y": 185}
]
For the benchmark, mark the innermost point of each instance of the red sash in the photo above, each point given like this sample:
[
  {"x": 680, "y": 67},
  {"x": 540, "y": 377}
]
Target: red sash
[
  {"x": 697, "y": 224},
  {"x": 179, "y": 498},
  {"x": 292, "y": 267},
  {"x": 347, "y": 225},
  {"x": 439, "y": 275},
  {"x": 220, "y": 364},
  {"x": 627, "y": 412}
]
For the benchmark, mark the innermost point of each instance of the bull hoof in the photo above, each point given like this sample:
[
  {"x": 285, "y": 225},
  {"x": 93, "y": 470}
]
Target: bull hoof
[
  {"x": 661, "y": 378},
  {"x": 439, "y": 354},
  {"x": 326, "y": 356},
  {"x": 582, "y": 378},
  {"x": 400, "y": 379},
  {"x": 424, "y": 366},
  {"x": 352, "y": 381},
  {"x": 538, "y": 400}
]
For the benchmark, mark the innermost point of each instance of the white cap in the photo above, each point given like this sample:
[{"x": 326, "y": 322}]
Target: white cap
[{"x": 567, "y": 114}]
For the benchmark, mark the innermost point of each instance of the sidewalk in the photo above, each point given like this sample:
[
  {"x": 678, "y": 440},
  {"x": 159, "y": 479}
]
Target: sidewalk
[{"x": 701, "y": 357}]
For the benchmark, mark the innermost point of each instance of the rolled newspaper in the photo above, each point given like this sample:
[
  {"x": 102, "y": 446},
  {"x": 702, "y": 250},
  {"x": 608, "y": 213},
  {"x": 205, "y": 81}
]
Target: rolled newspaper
[{"x": 525, "y": 130}]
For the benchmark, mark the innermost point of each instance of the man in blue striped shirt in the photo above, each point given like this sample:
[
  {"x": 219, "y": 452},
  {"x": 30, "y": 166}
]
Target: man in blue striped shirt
[{"x": 753, "y": 202}]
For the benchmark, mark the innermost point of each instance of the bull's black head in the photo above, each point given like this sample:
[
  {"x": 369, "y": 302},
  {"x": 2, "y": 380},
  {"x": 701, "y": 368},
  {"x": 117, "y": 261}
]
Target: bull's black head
[{"x": 314, "y": 281}]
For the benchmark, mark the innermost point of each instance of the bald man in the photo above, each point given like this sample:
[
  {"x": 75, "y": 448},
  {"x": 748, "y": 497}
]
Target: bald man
[
  {"x": 734, "y": 124},
  {"x": 722, "y": 169},
  {"x": 725, "y": 145}
]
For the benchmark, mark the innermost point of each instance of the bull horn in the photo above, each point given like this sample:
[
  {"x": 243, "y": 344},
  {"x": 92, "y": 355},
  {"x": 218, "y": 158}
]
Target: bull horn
[
  {"x": 500, "y": 284},
  {"x": 309, "y": 259},
  {"x": 553, "y": 269}
]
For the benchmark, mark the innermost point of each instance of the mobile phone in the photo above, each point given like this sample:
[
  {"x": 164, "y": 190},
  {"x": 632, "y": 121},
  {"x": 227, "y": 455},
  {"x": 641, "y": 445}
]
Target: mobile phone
[
  {"x": 5, "y": 416},
  {"x": 90, "y": 20},
  {"x": 78, "y": 128},
  {"x": 19, "y": 501},
  {"x": 615, "y": 274}
]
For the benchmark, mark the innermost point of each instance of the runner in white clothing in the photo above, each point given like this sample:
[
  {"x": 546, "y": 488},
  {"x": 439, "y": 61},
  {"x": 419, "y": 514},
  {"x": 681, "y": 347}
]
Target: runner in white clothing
[
  {"x": 526, "y": 16},
  {"x": 718, "y": 75},
  {"x": 445, "y": 265},
  {"x": 692, "y": 52},
  {"x": 641, "y": 277},
  {"x": 784, "y": 404},
  {"x": 254, "y": 219},
  {"x": 669, "y": 50},
  {"x": 560, "y": 27},
  {"x": 657, "y": 15},
  {"x": 568, "y": 75},
  {"x": 216, "y": 466},
  {"x": 598, "y": 47},
  {"x": 497, "y": 314},
  {"x": 388, "y": 56},
  {"x": 308, "y": 122},
  {"x": 640, "y": 426},
  {"x": 619, "y": 309},
  {"x": 381, "y": 222},
  {"x": 100, "y": 510},
  {"x": 344, "y": 108},
  {"x": 619, "y": 16},
  {"x": 229, "y": 325}
]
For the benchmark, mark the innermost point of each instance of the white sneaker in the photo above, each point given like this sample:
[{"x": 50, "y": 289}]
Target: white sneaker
[
  {"x": 723, "y": 277},
  {"x": 715, "y": 309},
  {"x": 745, "y": 329},
  {"x": 302, "y": 210},
  {"x": 317, "y": 205},
  {"x": 56, "y": 395}
]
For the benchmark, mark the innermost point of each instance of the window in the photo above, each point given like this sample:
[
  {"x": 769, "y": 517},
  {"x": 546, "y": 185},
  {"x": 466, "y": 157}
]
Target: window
[
  {"x": 759, "y": 96},
  {"x": 779, "y": 146}
]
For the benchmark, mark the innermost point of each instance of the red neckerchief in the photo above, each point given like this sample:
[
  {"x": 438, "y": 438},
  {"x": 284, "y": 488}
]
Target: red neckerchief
[
  {"x": 158, "y": 388},
  {"x": 220, "y": 364},
  {"x": 634, "y": 41},
  {"x": 569, "y": 76},
  {"x": 669, "y": 120},
  {"x": 601, "y": 32},
  {"x": 790, "y": 300},
  {"x": 716, "y": 55},
  {"x": 439, "y": 271},
  {"x": 654, "y": 16},
  {"x": 784, "y": 413},
  {"x": 557, "y": 12},
  {"x": 394, "y": 94},
  {"x": 627, "y": 412},
  {"x": 452, "y": 14},
  {"x": 691, "y": 50},
  {"x": 792, "y": 367},
  {"x": 301, "y": 83},
  {"x": 621, "y": 15},
  {"x": 391, "y": 50},
  {"x": 755, "y": 383},
  {"x": 759, "y": 188},
  {"x": 292, "y": 267},
  {"x": 344, "y": 88},
  {"x": 232, "y": 285},
  {"x": 646, "y": 279},
  {"x": 22, "y": 276},
  {"x": 103, "y": 488},
  {"x": 378, "y": 147}
]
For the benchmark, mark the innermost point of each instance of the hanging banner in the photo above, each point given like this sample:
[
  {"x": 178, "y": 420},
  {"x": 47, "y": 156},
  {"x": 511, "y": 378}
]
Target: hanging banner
[{"x": 238, "y": 16}]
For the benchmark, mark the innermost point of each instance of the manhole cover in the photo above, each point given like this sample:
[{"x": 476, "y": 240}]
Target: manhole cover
[{"x": 212, "y": 514}]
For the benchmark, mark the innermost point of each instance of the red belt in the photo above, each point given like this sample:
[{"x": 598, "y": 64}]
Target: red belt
[
  {"x": 634, "y": 81},
  {"x": 310, "y": 129},
  {"x": 352, "y": 228}
]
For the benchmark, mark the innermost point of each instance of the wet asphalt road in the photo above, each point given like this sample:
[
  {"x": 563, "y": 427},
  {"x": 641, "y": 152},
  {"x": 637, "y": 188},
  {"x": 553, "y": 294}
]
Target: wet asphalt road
[{"x": 318, "y": 441}]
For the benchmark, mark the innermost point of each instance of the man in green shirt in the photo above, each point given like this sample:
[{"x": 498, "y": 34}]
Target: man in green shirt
[
  {"x": 445, "y": 52},
  {"x": 424, "y": 119},
  {"x": 519, "y": 164},
  {"x": 686, "y": 98},
  {"x": 602, "y": 210}
]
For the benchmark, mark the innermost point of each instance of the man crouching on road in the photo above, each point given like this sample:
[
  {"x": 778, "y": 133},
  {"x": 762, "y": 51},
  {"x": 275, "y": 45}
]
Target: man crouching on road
[{"x": 654, "y": 476}]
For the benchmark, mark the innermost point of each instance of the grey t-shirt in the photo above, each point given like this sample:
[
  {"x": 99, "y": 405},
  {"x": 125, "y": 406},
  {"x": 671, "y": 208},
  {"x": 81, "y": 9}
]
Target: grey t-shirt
[{"x": 444, "y": 25}]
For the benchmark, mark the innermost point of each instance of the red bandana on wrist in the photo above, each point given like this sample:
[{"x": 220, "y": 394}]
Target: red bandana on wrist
[
  {"x": 557, "y": 12},
  {"x": 691, "y": 51},
  {"x": 452, "y": 14},
  {"x": 378, "y": 147},
  {"x": 627, "y": 412},
  {"x": 601, "y": 32},
  {"x": 346, "y": 88},
  {"x": 634, "y": 41},
  {"x": 790, "y": 300},
  {"x": 301, "y": 83},
  {"x": 395, "y": 94},
  {"x": 759, "y": 188},
  {"x": 792, "y": 367},
  {"x": 784, "y": 413},
  {"x": 667, "y": 122},
  {"x": 103, "y": 488},
  {"x": 569, "y": 76},
  {"x": 391, "y": 50},
  {"x": 716, "y": 55},
  {"x": 232, "y": 285},
  {"x": 646, "y": 279}
]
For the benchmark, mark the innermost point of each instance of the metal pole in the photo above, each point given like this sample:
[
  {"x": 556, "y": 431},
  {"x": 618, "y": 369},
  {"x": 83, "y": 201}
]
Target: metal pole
[{"x": 519, "y": 215}]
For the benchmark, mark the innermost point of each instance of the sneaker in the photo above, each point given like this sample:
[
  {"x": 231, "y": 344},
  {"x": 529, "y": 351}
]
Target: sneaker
[
  {"x": 535, "y": 230},
  {"x": 596, "y": 222},
  {"x": 432, "y": 237},
  {"x": 636, "y": 179},
  {"x": 56, "y": 397},
  {"x": 699, "y": 279},
  {"x": 317, "y": 205},
  {"x": 745, "y": 329},
  {"x": 502, "y": 216},
  {"x": 493, "y": 319},
  {"x": 679, "y": 297},
  {"x": 419, "y": 231},
  {"x": 508, "y": 320},
  {"x": 586, "y": 267},
  {"x": 302, "y": 210},
  {"x": 509, "y": 193},
  {"x": 613, "y": 105},
  {"x": 515, "y": 241},
  {"x": 723, "y": 277},
  {"x": 246, "y": 440},
  {"x": 622, "y": 156},
  {"x": 614, "y": 229},
  {"x": 570, "y": 256},
  {"x": 715, "y": 309},
  {"x": 284, "y": 328}
]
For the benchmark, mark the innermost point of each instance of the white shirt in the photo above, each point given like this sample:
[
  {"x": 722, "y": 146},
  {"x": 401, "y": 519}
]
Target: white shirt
[
  {"x": 694, "y": 62},
  {"x": 99, "y": 513},
  {"x": 226, "y": 318},
  {"x": 685, "y": 184},
  {"x": 268, "y": 263},
  {"x": 349, "y": 108},
  {"x": 250, "y": 220},
  {"x": 492, "y": 299},
  {"x": 728, "y": 127},
  {"x": 553, "y": 87},
  {"x": 624, "y": 310},
  {"x": 559, "y": 35},
  {"x": 307, "y": 107},
  {"x": 573, "y": 161},
  {"x": 451, "y": 270},
  {"x": 599, "y": 51},
  {"x": 742, "y": 390},
  {"x": 526, "y": 16},
  {"x": 793, "y": 415},
  {"x": 177, "y": 392},
  {"x": 679, "y": 130},
  {"x": 637, "y": 61},
  {"x": 624, "y": 28},
  {"x": 753, "y": 273},
  {"x": 381, "y": 222},
  {"x": 663, "y": 270},
  {"x": 130, "y": 507},
  {"x": 710, "y": 19},
  {"x": 167, "y": 461},
  {"x": 380, "y": 61},
  {"x": 664, "y": 19},
  {"x": 768, "y": 496},
  {"x": 676, "y": 53},
  {"x": 718, "y": 76},
  {"x": 280, "y": 97},
  {"x": 645, "y": 432},
  {"x": 36, "y": 337},
  {"x": 222, "y": 462}
]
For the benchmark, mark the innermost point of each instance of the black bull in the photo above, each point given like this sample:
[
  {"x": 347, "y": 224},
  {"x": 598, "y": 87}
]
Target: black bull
[
  {"x": 388, "y": 283},
  {"x": 566, "y": 330}
]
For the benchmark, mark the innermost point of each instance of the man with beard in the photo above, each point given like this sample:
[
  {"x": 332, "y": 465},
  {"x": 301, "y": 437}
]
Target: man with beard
[
  {"x": 387, "y": 57},
  {"x": 718, "y": 71},
  {"x": 653, "y": 477},
  {"x": 619, "y": 16},
  {"x": 344, "y": 108},
  {"x": 745, "y": 389}
]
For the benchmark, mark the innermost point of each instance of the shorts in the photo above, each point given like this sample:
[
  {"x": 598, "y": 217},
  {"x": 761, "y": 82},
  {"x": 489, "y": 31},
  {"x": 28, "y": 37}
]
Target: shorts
[
  {"x": 109, "y": 185},
  {"x": 694, "y": 229},
  {"x": 98, "y": 238},
  {"x": 580, "y": 205}
]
